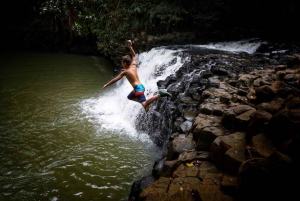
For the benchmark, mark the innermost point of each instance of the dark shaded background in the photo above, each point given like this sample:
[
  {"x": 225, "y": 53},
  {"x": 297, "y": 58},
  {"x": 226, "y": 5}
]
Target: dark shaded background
[{"x": 269, "y": 19}]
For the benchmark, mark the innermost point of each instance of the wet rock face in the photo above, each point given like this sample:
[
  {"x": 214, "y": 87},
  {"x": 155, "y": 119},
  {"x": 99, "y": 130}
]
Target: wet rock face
[{"x": 228, "y": 137}]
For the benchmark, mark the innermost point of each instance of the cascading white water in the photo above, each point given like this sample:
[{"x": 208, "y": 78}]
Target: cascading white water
[
  {"x": 249, "y": 46},
  {"x": 112, "y": 111}
]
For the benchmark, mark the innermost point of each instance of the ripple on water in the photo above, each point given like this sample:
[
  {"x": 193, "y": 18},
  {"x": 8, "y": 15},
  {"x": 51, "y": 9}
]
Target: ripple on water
[{"x": 50, "y": 148}]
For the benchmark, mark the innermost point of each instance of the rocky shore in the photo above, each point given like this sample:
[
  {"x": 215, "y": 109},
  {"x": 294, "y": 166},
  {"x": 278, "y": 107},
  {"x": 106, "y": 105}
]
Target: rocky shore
[{"x": 235, "y": 130}]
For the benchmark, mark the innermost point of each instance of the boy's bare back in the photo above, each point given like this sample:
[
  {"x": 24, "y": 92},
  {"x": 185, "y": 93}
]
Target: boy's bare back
[{"x": 132, "y": 76}]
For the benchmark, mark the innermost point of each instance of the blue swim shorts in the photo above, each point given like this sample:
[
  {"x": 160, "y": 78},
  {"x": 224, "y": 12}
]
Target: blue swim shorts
[{"x": 138, "y": 92}]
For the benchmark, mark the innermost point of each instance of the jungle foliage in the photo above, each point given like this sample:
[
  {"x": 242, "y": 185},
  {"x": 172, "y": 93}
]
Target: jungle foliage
[{"x": 109, "y": 22}]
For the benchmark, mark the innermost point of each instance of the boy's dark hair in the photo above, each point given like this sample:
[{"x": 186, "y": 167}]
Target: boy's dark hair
[{"x": 126, "y": 59}]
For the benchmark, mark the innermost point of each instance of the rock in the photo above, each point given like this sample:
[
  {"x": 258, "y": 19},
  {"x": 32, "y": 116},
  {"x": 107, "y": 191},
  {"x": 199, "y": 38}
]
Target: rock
[
  {"x": 243, "y": 120},
  {"x": 156, "y": 191},
  {"x": 207, "y": 136},
  {"x": 245, "y": 80},
  {"x": 242, "y": 92},
  {"x": 178, "y": 146},
  {"x": 206, "y": 108},
  {"x": 169, "y": 167},
  {"x": 158, "y": 167},
  {"x": 291, "y": 121},
  {"x": 264, "y": 94},
  {"x": 294, "y": 104},
  {"x": 262, "y": 146},
  {"x": 178, "y": 122},
  {"x": 186, "y": 184},
  {"x": 293, "y": 61},
  {"x": 280, "y": 67},
  {"x": 225, "y": 97},
  {"x": 289, "y": 77},
  {"x": 204, "y": 121},
  {"x": 233, "y": 116},
  {"x": 186, "y": 126},
  {"x": 238, "y": 131},
  {"x": 185, "y": 171},
  {"x": 218, "y": 70},
  {"x": 208, "y": 167},
  {"x": 271, "y": 107},
  {"x": 229, "y": 183},
  {"x": 212, "y": 183},
  {"x": 218, "y": 109},
  {"x": 256, "y": 82},
  {"x": 206, "y": 74},
  {"x": 192, "y": 155},
  {"x": 229, "y": 151},
  {"x": 138, "y": 186},
  {"x": 257, "y": 123},
  {"x": 190, "y": 114}
]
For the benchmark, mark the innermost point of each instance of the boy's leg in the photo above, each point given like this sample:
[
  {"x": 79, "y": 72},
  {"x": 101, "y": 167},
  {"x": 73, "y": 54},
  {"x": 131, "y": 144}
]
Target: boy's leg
[
  {"x": 142, "y": 100},
  {"x": 161, "y": 93},
  {"x": 146, "y": 107},
  {"x": 147, "y": 103}
]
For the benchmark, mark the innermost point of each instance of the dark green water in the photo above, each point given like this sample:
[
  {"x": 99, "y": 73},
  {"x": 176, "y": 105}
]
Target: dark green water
[{"x": 50, "y": 149}]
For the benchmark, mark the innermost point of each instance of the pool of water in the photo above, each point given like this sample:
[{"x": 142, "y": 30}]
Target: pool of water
[{"x": 50, "y": 147}]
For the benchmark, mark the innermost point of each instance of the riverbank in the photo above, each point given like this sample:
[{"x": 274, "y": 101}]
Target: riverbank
[{"x": 236, "y": 130}]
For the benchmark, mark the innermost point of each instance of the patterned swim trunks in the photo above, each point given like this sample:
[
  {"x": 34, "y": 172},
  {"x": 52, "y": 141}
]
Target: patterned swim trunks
[{"x": 138, "y": 92}]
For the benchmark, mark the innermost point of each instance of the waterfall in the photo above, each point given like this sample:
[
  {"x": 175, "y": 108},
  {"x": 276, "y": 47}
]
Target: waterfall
[
  {"x": 249, "y": 46},
  {"x": 113, "y": 112}
]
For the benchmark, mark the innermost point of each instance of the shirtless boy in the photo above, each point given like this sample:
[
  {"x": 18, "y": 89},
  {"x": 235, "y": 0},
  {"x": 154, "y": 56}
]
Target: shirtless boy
[{"x": 130, "y": 72}]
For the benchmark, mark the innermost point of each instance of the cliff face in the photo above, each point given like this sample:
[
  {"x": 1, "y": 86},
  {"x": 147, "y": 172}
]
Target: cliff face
[{"x": 234, "y": 131}]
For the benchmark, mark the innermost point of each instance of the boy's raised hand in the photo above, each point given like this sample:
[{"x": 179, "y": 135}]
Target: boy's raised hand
[{"x": 129, "y": 43}]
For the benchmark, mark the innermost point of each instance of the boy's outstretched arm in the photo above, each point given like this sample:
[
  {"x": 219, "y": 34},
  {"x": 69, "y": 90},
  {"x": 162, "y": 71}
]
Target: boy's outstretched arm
[{"x": 114, "y": 80}]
